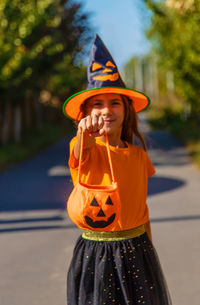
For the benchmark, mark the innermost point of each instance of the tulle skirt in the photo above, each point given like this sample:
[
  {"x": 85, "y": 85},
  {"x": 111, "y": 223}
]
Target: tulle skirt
[{"x": 125, "y": 272}]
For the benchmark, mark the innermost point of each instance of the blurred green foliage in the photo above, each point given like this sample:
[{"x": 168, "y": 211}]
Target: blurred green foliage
[
  {"x": 42, "y": 43},
  {"x": 174, "y": 33},
  {"x": 176, "y": 41},
  {"x": 39, "y": 41}
]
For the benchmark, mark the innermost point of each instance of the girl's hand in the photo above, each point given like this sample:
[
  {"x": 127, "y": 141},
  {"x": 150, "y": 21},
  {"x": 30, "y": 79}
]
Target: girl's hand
[{"x": 92, "y": 125}]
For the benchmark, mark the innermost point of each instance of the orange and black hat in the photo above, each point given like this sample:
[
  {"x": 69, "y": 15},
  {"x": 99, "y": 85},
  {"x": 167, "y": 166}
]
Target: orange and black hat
[{"x": 103, "y": 77}]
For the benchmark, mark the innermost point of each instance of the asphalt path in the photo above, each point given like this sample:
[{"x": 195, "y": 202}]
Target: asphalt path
[{"x": 37, "y": 236}]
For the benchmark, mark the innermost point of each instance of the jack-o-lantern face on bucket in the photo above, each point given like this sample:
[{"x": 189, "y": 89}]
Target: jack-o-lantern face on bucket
[
  {"x": 109, "y": 73},
  {"x": 100, "y": 216}
]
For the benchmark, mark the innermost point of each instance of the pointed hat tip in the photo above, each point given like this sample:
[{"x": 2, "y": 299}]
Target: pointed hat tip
[{"x": 97, "y": 37}]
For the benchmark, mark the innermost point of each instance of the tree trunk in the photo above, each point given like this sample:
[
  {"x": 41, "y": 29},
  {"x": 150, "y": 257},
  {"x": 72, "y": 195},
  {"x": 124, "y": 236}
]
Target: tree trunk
[
  {"x": 170, "y": 83},
  {"x": 155, "y": 79},
  {"x": 17, "y": 124},
  {"x": 149, "y": 79},
  {"x": 38, "y": 112},
  {"x": 27, "y": 114},
  {"x": 139, "y": 75},
  {"x": 6, "y": 123},
  {"x": 1, "y": 121}
]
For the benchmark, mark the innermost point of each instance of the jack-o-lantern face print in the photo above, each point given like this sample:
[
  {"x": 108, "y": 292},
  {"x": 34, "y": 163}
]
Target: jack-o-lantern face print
[
  {"x": 100, "y": 216},
  {"x": 109, "y": 73}
]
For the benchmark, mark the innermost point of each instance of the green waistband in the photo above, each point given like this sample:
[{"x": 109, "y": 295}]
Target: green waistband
[{"x": 113, "y": 236}]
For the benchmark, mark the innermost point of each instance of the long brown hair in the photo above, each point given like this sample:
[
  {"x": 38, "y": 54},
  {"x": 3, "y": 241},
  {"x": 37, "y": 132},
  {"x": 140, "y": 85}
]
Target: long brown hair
[{"x": 130, "y": 123}]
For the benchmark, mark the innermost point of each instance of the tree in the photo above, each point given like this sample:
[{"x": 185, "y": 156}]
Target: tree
[
  {"x": 176, "y": 41},
  {"x": 37, "y": 39}
]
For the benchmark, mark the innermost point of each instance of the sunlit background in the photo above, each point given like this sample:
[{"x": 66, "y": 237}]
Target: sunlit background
[
  {"x": 44, "y": 47},
  {"x": 121, "y": 27},
  {"x": 44, "y": 51}
]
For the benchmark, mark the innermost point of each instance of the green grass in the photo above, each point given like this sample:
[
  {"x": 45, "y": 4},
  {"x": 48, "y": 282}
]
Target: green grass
[{"x": 32, "y": 142}]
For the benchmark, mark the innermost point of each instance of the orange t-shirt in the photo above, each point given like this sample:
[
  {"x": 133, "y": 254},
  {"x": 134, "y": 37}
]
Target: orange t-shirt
[{"x": 132, "y": 167}]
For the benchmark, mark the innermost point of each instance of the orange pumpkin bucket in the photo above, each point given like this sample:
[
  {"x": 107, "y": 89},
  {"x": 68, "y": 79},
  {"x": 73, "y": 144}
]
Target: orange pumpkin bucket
[{"x": 95, "y": 207}]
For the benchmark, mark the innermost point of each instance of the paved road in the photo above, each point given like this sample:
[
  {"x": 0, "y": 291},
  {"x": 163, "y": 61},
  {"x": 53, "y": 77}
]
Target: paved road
[{"x": 37, "y": 237}]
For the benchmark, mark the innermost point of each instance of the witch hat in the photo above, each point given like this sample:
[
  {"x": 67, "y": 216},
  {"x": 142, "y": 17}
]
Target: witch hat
[{"x": 103, "y": 77}]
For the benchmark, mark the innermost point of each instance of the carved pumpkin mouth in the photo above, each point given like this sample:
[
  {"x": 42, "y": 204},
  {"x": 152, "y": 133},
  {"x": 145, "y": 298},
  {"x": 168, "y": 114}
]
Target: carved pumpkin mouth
[
  {"x": 112, "y": 77},
  {"x": 99, "y": 223}
]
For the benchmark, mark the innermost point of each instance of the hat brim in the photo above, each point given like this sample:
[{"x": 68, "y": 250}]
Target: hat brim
[{"x": 71, "y": 107}]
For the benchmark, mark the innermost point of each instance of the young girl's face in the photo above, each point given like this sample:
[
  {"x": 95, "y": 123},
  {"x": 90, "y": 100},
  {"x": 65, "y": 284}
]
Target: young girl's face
[{"x": 111, "y": 107}]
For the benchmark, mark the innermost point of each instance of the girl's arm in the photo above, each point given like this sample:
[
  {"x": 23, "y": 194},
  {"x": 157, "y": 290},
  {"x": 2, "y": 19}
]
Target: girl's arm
[
  {"x": 148, "y": 230},
  {"x": 92, "y": 126}
]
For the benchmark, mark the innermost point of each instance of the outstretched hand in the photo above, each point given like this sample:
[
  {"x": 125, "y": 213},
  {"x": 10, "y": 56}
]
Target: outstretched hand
[{"x": 92, "y": 125}]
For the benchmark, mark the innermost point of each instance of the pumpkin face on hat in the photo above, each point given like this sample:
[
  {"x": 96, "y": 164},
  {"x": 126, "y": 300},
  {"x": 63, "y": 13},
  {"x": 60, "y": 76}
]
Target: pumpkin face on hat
[
  {"x": 105, "y": 73},
  {"x": 100, "y": 212}
]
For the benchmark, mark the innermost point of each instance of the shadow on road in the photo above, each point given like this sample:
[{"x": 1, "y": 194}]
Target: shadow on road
[
  {"x": 30, "y": 219},
  {"x": 53, "y": 193},
  {"x": 159, "y": 185},
  {"x": 159, "y": 139},
  {"x": 27, "y": 187},
  {"x": 55, "y": 222},
  {"x": 73, "y": 226},
  {"x": 37, "y": 228},
  {"x": 176, "y": 218},
  {"x": 165, "y": 150},
  {"x": 48, "y": 193}
]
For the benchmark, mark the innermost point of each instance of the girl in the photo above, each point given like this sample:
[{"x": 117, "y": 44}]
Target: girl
[{"x": 114, "y": 261}]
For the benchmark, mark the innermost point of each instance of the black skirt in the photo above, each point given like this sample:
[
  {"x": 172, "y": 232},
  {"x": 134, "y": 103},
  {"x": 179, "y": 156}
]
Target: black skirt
[{"x": 125, "y": 272}]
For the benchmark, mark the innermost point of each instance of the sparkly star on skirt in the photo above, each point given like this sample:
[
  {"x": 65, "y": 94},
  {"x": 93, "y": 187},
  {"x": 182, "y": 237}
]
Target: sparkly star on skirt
[{"x": 125, "y": 272}]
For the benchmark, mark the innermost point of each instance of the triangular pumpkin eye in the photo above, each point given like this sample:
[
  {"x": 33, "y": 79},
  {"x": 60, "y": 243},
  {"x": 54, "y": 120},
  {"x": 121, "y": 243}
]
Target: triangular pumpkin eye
[
  {"x": 96, "y": 66},
  {"x": 94, "y": 203},
  {"x": 110, "y": 64},
  {"x": 109, "y": 201}
]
